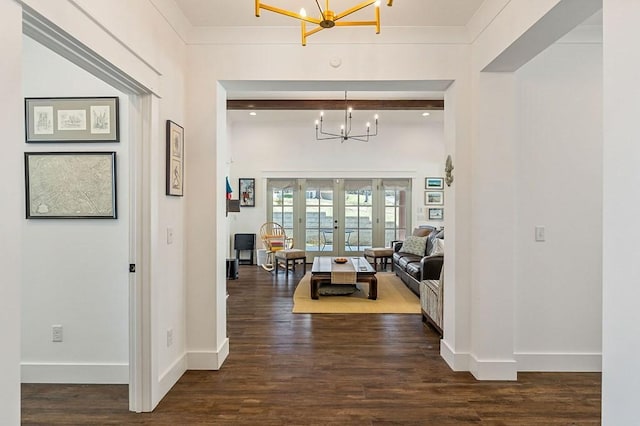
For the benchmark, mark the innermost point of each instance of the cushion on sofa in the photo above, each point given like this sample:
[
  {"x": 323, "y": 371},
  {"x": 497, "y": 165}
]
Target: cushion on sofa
[
  {"x": 414, "y": 245},
  {"x": 413, "y": 269},
  {"x": 438, "y": 247},
  {"x": 406, "y": 260},
  {"x": 431, "y": 241},
  {"x": 421, "y": 232}
]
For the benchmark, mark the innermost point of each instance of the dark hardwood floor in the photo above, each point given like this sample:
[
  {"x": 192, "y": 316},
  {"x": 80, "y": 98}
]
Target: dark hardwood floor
[{"x": 287, "y": 369}]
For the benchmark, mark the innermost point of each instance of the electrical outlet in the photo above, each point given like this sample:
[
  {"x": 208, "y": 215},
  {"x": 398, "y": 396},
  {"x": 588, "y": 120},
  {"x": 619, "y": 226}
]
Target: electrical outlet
[
  {"x": 169, "y": 337},
  {"x": 540, "y": 233},
  {"x": 56, "y": 333},
  {"x": 169, "y": 235}
]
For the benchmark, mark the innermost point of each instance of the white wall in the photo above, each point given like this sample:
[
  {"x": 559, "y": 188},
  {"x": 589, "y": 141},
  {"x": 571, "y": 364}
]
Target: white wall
[
  {"x": 207, "y": 152},
  {"x": 75, "y": 270},
  {"x": 136, "y": 39},
  {"x": 621, "y": 268},
  {"x": 11, "y": 209},
  {"x": 559, "y": 181},
  {"x": 286, "y": 147}
]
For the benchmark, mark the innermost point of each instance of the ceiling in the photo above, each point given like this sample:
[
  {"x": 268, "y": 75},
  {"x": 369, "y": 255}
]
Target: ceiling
[{"x": 403, "y": 13}]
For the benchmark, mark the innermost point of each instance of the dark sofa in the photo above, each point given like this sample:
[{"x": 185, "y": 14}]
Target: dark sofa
[{"x": 413, "y": 268}]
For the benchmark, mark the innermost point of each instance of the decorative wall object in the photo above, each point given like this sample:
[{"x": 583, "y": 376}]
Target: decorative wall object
[
  {"x": 247, "y": 188},
  {"x": 71, "y": 119},
  {"x": 73, "y": 185},
  {"x": 448, "y": 168},
  {"x": 175, "y": 159},
  {"x": 436, "y": 213},
  {"x": 434, "y": 183},
  {"x": 433, "y": 198}
]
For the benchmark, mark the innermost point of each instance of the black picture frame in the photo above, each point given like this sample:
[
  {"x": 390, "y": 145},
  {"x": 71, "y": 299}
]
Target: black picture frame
[
  {"x": 70, "y": 185},
  {"x": 431, "y": 183},
  {"x": 67, "y": 119},
  {"x": 175, "y": 159},
  {"x": 433, "y": 198},
  {"x": 247, "y": 190},
  {"x": 436, "y": 213}
]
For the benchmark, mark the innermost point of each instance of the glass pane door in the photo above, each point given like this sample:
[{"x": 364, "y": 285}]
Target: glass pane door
[
  {"x": 282, "y": 202},
  {"x": 358, "y": 216},
  {"x": 320, "y": 220},
  {"x": 396, "y": 217}
]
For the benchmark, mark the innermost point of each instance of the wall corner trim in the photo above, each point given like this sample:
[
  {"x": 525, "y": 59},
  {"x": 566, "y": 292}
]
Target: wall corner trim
[
  {"x": 208, "y": 360},
  {"x": 457, "y": 361}
]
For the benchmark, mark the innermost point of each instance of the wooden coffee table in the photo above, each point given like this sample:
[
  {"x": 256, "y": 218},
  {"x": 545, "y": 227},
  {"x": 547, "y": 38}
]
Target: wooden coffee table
[{"x": 323, "y": 265}]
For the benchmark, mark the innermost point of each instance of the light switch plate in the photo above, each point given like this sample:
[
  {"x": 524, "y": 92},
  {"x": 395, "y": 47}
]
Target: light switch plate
[
  {"x": 169, "y": 235},
  {"x": 540, "y": 233}
]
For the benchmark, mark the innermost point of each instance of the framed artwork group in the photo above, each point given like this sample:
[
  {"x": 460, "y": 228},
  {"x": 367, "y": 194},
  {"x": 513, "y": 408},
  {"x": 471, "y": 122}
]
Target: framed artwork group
[
  {"x": 71, "y": 185},
  {"x": 434, "y": 196},
  {"x": 71, "y": 119}
]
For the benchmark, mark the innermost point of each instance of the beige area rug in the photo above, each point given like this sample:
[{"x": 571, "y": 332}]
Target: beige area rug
[{"x": 393, "y": 298}]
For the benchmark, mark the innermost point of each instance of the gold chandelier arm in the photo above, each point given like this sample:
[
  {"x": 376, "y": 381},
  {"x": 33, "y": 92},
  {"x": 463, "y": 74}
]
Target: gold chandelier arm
[
  {"x": 355, "y": 23},
  {"x": 284, "y": 12},
  {"x": 313, "y": 31},
  {"x": 354, "y": 9},
  {"x": 306, "y": 33}
]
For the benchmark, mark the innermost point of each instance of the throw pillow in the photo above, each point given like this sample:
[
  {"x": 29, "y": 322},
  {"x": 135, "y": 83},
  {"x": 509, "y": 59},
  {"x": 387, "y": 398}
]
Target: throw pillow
[
  {"x": 438, "y": 247},
  {"x": 414, "y": 245},
  {"x": 421, "y": 232}
]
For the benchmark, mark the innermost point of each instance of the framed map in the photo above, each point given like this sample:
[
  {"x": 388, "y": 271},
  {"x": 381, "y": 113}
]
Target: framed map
[
  {"x": 70, "y": 185},
  {"x": 71, "y": 119}
]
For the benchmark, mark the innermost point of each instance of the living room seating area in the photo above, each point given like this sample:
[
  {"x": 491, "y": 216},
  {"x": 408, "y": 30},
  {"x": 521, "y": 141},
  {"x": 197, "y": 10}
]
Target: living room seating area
[{"x": 418, "y": 262}]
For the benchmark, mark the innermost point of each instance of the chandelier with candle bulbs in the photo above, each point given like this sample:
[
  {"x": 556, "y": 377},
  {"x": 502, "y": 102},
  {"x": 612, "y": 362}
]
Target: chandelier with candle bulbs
[
  {"x": 345, "y": 128},
  {"x": 328, "y": 18}
]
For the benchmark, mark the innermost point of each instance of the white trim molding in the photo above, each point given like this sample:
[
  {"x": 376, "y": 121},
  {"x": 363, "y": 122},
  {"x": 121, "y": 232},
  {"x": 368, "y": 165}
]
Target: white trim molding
[
  {"x": 559, "y": 362},
  {"x": 81, "y": 373},
  {"x": 493, "y": 369},
  {"x": 481, "y": 369},
  {"x": 171, "y": 376},
  {"x": 208, "y": 360},
  {"x": 457, "y": 361}
]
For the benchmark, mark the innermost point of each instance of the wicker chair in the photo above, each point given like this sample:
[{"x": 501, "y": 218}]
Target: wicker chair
[{"x": 274, "y": 239}]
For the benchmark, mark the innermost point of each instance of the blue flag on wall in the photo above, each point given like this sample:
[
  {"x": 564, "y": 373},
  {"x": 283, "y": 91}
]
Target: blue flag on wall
[{"x": 229, "y": 190}]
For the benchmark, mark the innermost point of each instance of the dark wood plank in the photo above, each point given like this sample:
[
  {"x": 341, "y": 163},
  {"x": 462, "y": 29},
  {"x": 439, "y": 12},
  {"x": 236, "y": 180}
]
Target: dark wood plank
[
  {"x": 326, "y": 369},
  {"x": 336, "y": 104}
]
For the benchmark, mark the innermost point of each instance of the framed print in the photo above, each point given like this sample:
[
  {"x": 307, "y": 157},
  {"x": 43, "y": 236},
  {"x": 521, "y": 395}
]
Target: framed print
[
  {"x": 436, "y": 213},
  {"x": 70, "y": 185},
  {"x": 247, "y": 192},
  {"x": 175, "y": 159},
  {"x": 71, "y": 119},
  {"x": 434, "y": 183},
  {"x": 433, "y": 198}
]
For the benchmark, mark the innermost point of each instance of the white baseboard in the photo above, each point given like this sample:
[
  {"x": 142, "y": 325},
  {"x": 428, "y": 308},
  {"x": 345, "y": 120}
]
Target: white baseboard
[
  {"x": 481, "y": 369},
  {"x": 457, "y": 361},
  {"x": 74, "y": 373},
  {"x": 496, "y": 369},
  {"x": 208, "y": 360},
  {"x": 171, "y": 376},
  {"x": 559, "y": 362}
]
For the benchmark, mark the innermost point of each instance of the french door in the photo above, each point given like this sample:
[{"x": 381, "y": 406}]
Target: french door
[{"x": 340, "y": 217}]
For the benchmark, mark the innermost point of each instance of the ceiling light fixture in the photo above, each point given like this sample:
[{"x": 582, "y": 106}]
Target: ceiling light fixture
[
  {"x": 328, "y": 18},
  {"x": 345, "y": 128}
]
